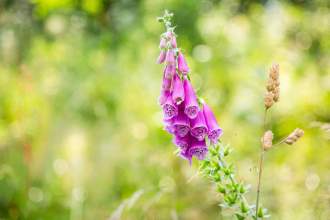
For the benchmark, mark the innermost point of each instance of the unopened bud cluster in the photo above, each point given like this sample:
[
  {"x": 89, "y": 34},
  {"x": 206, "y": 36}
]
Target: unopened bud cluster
[
  {"x": 294, "y": 136},
  {"x": 273, "y": 87}
]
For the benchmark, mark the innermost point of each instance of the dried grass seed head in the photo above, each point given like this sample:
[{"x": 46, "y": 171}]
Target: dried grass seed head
[
  {"x": 294, "y": 136},
  {"x": 272, "y": 86},
  {"x": 269, "y": 100},
  {"x": 274, "y": 71},
  {"x": 267, "y": 140}
]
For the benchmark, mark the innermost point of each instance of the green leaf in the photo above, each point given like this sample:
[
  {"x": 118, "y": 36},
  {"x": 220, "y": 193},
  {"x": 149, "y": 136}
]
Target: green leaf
[
  {"x": 244, "y": 207},
  {"x": 260, "y": 213},
  {"x": 239, "y": 216},
  {"x": 221, "y": 189}
]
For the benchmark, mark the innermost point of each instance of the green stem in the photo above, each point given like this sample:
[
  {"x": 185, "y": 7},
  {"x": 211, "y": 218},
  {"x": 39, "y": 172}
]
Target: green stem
[
  {"x": 259, "y": 180},
  {"x": 261, "y": 161}
]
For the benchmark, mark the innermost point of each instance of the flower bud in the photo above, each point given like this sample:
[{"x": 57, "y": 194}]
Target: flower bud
[
  {"x": 170, "y": 57},
  {"x": 182, "y": 64},
  {"x": 169, "y": 71},
  {"x": 162, "y": 43},
  {"x": 173, "y": 42},
  {"x": 161, "y": 57}
]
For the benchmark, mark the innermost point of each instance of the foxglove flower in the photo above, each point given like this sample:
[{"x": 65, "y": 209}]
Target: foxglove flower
[
  {"x": 198, "y": 149},
  {"x": 173, "y": 42},
  {"x": 161, "y": 57},
  {"x": 182, "y": 64},
  {"x": 168, "y": 126},
  {"x": 182, "y": 142},
  {"x": 169, "y": 34},
  {"x": 198, "y": 126},
  {"x": 169, "y": 71},
  {"x": 181, "y": 124},
  {"x": 162, "y": 44},
  {"x": 163, "y": 96},
  {"x": 214, "y": 131},
  {"x": 190, "y": 100},
  {"x": 186, "y": 154},
  {"x": 169, "y": 108},
  {"x": 170, "y": 57},
  {"x": 167, "y": 83},
  {"x": 178, "y": 91}
]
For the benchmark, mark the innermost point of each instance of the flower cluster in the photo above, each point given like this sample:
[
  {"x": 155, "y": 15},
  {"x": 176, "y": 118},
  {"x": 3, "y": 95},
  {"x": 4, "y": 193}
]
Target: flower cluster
[{"x": 189, "y": 121}]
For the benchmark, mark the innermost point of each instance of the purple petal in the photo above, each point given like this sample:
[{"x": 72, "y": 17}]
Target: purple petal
[
  {"x": 181, "y": 124},
  {"x": 167, "y": 83},
  {"x": 163, "y": 96},
  {"x": 168, "y": 126},
  {"x": 186, "y": 154},
  {"x": 214, "y": 130},
  {"x": 198, "y": 126},
  {"x": 190, "y": 100},
  {"x": 169, "y": 108},
  {"x": 198, "y": 149},
  {"x": 173, "y": 42},
  {"x": 182, "y": 64},
  {"x": 161, "y": 57},
  {"x": 170, "y": 57},
  {"x": 169, "y": 71},
  {"x": 162, "y": 44},
  {"x": 178, "y": 91},
  {"x": 182, "y": 142},
  {"x": 169, "y": 34}
]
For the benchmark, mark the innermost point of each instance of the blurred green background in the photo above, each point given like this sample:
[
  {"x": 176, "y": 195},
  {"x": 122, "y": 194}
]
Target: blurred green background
[{"x": 81, "y": 131}]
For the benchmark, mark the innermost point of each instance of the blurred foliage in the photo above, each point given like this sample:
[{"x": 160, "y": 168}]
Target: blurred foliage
[{"x": 80, "y": 129}]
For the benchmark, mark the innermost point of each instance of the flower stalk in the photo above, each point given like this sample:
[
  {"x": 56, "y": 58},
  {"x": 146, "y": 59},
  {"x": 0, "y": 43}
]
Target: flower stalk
[
  {"x": 222, "y": 173},
  {"x": 261, "y": 160},
  {"x": 196, "y": 132},
  {"x": 272, "y": 96}
]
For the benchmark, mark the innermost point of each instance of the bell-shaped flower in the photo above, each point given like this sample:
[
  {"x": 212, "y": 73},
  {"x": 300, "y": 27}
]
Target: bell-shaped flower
[
  {"x": 178, "y": 91},
  {"x": 167, "y": 83},
  {"x": 168, "y": 126},
  {"x": 186, "y": 154},
  {"x": 162, "y": 56},
  {"x": 182, "y": 64},
  {"x": 169, "y": 108},
  {"x": 214, "y": 131},
  {"x": 198, "y": 149},
  {"x": 163, "y": 96},
  {"x": 162, "y": 43},
  {"x": 181, "y": 124},
  {"x": 190, "y": 100},
  {"x": 182, "y": 142},
  {"x": 169, "y": 71},
  {"x": 173, "y": 42},
  {"x": 170, "y": 57},
  {"x": 198, "y": 126}
]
